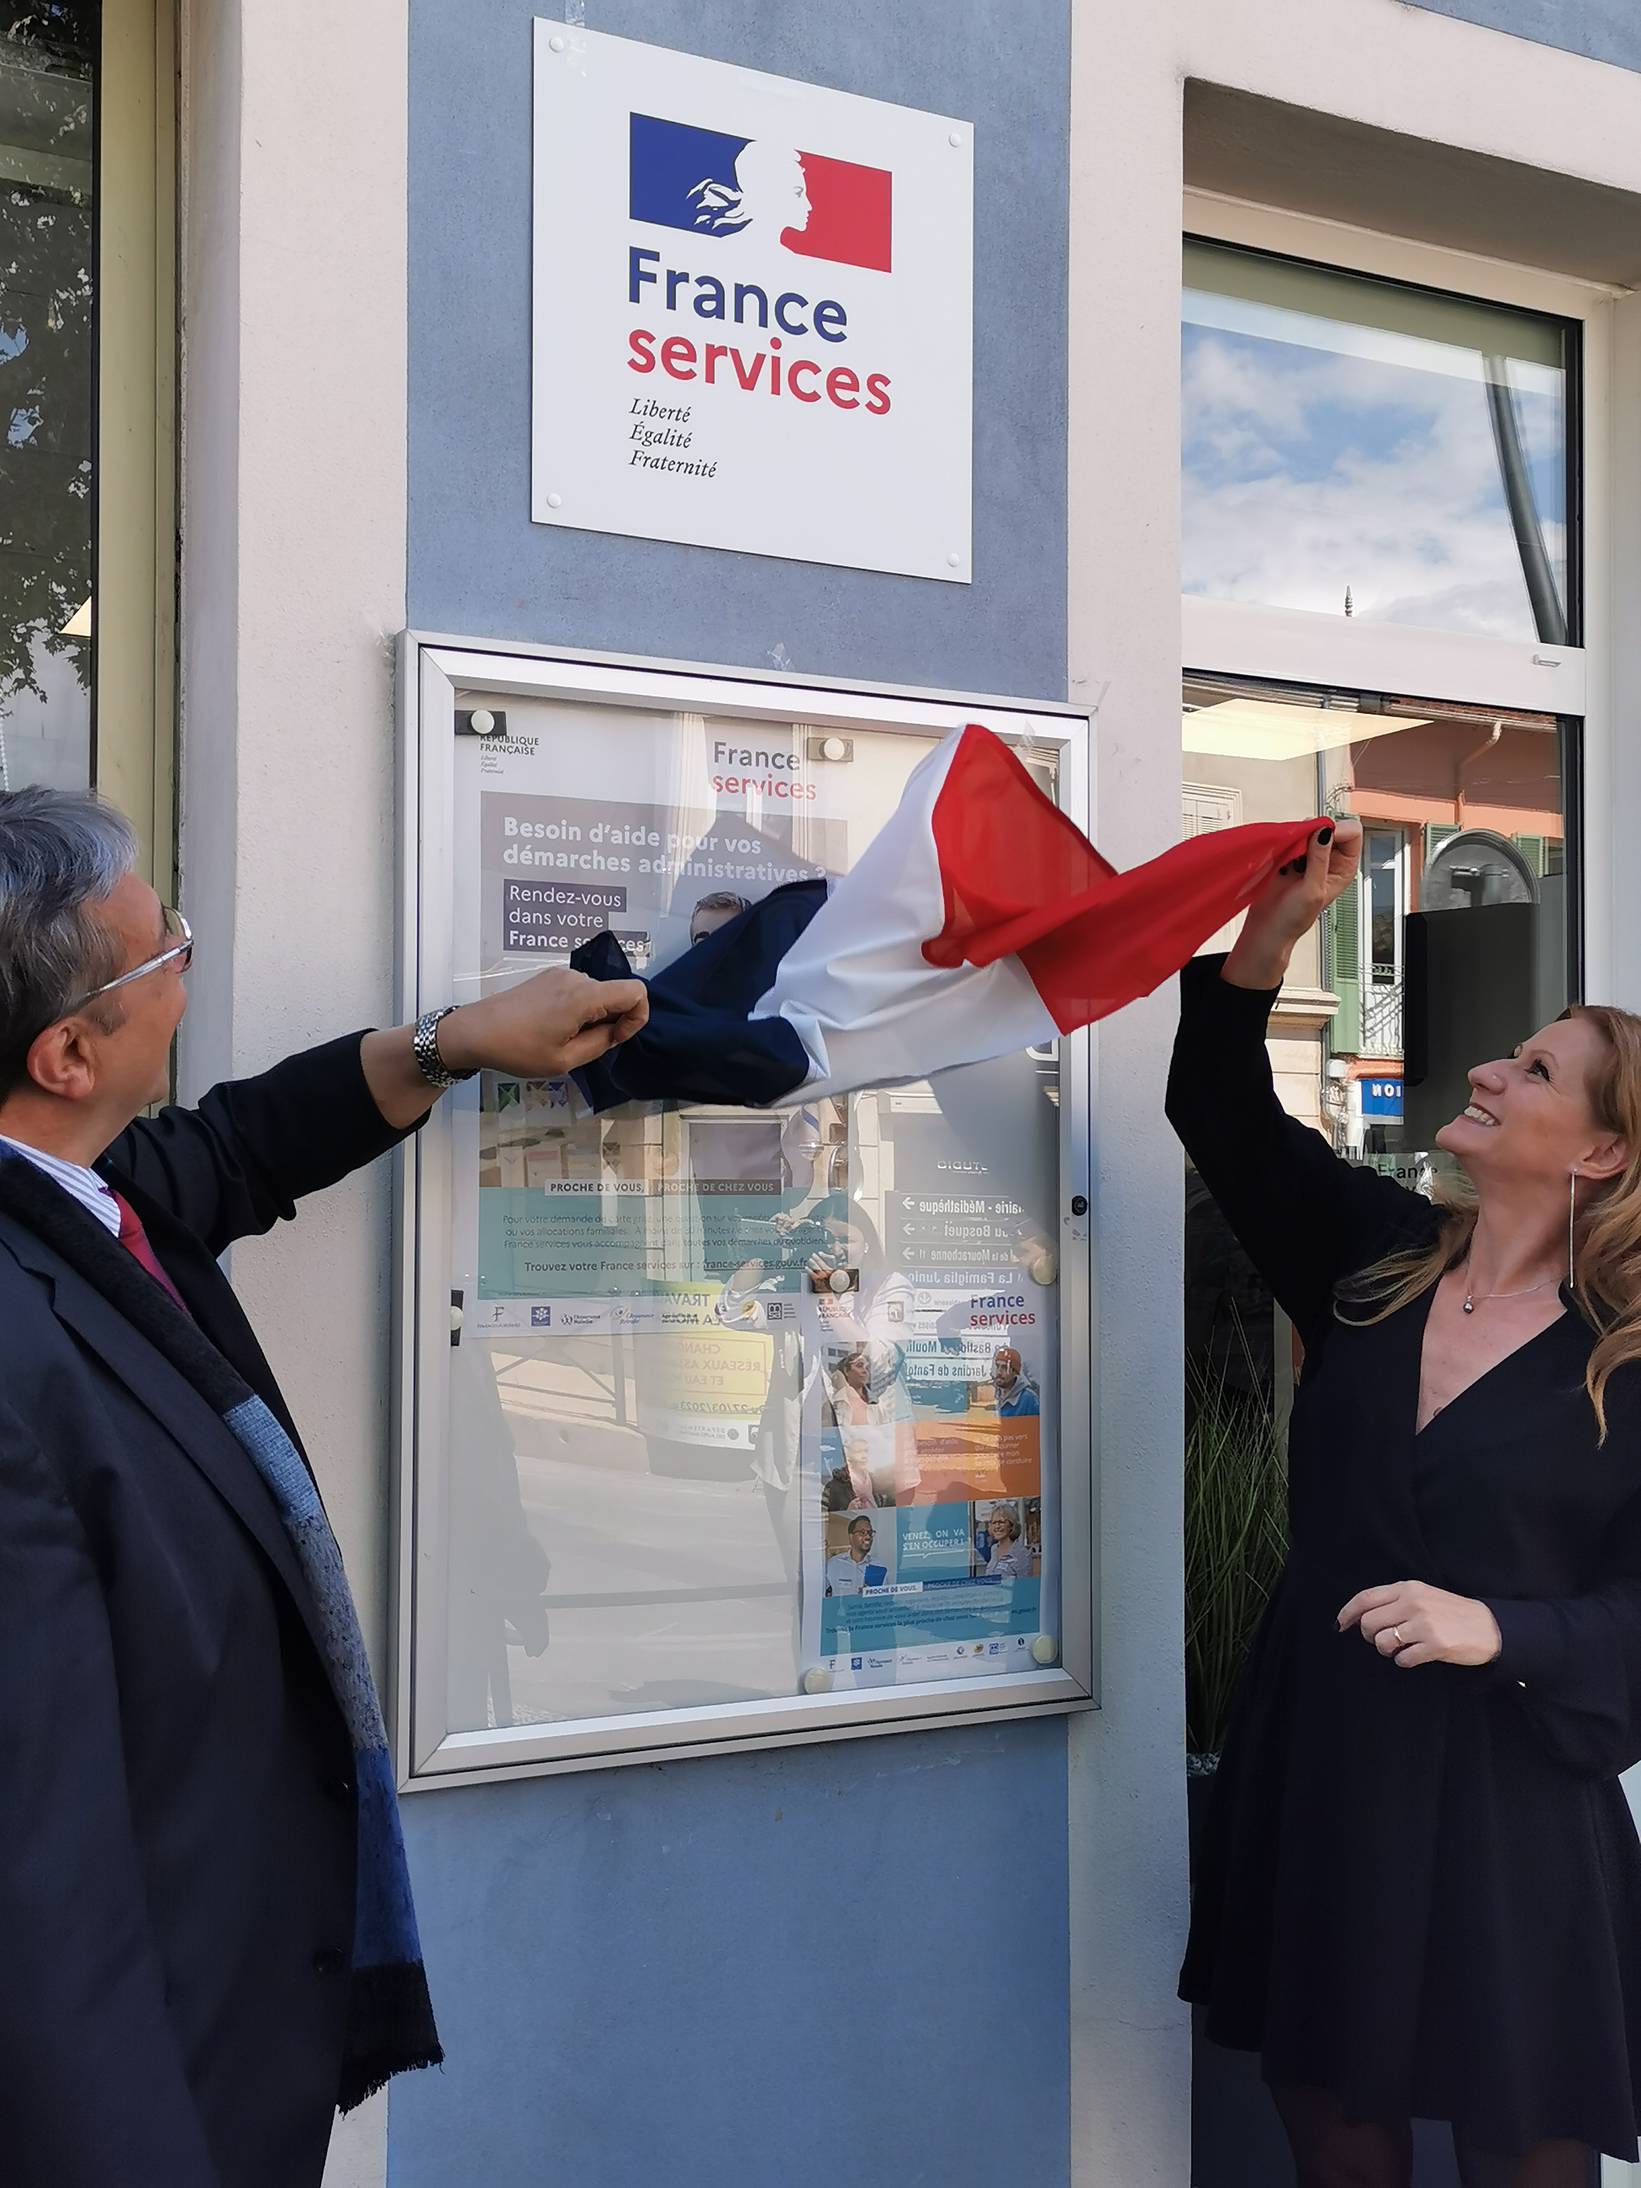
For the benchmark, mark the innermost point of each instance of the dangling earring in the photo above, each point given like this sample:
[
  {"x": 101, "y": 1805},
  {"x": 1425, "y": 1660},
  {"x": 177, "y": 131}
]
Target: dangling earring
[{"x": 1572, "y": 1202}]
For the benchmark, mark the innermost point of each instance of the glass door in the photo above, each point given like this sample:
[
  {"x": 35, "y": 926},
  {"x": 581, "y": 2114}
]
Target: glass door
[{"x": 1453, "y": 946}]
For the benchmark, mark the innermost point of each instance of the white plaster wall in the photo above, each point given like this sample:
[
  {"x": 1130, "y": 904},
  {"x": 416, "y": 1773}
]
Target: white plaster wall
[
  {"x": 1622, "y": 939},
  {"x": 1407, "y": 71},
  {"x": 1130, "y": 2059},
  {"x": 294, "y": 255}
]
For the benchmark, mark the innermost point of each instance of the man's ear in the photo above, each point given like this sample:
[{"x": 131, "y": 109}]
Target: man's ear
[{"x": 61, "y": 1063}]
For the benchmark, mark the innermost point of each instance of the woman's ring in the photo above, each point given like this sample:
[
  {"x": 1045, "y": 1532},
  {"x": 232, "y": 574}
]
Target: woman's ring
[{"x": 1396, "y": 1635}]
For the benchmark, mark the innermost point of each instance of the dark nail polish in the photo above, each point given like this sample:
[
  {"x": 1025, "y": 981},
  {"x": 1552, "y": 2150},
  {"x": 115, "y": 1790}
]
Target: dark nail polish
[{"x": 1324, "y": 835}]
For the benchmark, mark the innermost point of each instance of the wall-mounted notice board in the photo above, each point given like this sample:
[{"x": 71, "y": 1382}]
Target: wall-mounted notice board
[{"x": 718, "y": 1426}]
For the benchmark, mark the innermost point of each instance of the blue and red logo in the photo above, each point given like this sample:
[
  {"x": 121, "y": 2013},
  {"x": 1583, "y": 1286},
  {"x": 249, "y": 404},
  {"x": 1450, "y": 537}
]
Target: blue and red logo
[{"x": 711, "y": 184}]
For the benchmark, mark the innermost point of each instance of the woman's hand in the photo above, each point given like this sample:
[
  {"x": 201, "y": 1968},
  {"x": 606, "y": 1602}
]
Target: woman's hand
[
  {"x": 1417, "y": 1624},
  {"x": 1290, "y": 904}
]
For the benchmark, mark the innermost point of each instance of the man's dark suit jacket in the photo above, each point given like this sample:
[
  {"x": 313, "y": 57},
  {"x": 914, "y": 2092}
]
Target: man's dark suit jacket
[{"x": 176, "y": 1797}]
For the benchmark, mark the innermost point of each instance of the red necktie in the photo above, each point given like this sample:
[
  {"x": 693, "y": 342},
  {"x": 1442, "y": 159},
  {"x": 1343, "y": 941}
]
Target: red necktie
[{"x": 136, "y": 1243}]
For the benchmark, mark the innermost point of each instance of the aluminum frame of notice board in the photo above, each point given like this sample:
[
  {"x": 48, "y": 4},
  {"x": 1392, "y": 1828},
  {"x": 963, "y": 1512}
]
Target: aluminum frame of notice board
[{"x": 432, "y": 669}]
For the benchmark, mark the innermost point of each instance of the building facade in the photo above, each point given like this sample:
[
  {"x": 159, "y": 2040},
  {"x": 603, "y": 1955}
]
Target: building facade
[{"x": 1363, "y": 466}]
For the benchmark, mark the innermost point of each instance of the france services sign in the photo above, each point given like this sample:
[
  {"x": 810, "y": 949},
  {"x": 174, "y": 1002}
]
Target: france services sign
[{"x": 753, "y": 311}]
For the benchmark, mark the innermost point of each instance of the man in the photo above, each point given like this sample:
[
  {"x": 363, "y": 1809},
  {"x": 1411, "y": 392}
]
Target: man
[
  {"x": 208, "y": 1936},
  {"x": 848, "y": 1573},
  {"x": 1016, "y": 1400},
  {"x": 713, "y": 912}
]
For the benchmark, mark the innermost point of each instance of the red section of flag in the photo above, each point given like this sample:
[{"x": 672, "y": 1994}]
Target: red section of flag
[
  {"x": 850, "y": 214},
  {"x": 1020, "y": 878}
]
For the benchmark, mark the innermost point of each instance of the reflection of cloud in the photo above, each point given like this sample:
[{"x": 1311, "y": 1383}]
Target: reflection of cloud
[{"x": 1305, "y": 473}]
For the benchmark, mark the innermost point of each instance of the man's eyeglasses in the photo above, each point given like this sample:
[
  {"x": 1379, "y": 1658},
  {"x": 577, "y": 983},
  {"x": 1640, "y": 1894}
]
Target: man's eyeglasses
[{"x": 179, "y": 951}]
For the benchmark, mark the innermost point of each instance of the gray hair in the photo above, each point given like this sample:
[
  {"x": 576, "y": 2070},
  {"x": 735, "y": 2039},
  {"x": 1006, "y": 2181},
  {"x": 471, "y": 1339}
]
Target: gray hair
[{"x": 60, "y": 854}]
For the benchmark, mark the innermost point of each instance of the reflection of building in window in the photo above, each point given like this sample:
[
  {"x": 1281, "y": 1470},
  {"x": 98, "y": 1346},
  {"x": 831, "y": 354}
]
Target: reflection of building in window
[
  {"x": 1452, "y": 945},
  {"x": 1205, "y": 808},
  {"x": 1462, "y": 813}
]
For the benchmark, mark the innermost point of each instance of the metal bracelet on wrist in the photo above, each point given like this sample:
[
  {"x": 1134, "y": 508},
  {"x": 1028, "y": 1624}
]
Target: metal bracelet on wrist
[{"x": 424, "y": 1045}]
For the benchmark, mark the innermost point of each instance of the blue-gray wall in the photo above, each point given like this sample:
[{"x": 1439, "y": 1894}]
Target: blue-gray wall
[
  {"x": 1602, "y": 30},
  {"x": 478, "y": 565},
  {"x": 829, "y": 1964},
  {"x": 832, "y": 1967}
]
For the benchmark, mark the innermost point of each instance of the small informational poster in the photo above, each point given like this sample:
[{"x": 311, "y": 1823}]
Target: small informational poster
[
  {"x": 753, "y": 311},
  {"x": 932, "y": 1415},
  {"x": 928, "y": 1560}
]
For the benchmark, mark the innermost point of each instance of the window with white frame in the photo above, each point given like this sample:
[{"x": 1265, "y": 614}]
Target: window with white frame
[
  {"x": 87, "y": 380},
  {"x": 1382, "y": 577},
  {"x": 1364, "y": 448}
]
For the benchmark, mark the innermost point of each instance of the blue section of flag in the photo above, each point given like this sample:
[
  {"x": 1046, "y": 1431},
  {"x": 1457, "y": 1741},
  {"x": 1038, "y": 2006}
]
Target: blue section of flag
[
  {"x": 669, "y": 163},
  {"x": 700, "y": 1045}
]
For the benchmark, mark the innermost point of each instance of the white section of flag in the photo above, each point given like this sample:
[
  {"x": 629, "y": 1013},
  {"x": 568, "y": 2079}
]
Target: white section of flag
[{"x": 856, "y": 988}]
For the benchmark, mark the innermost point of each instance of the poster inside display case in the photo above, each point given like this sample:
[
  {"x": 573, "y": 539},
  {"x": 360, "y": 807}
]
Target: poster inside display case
[{"x": 746, "y": 1423}]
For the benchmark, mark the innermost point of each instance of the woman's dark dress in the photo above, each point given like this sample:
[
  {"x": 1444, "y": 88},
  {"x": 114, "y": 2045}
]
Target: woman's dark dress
[{"x": 1421, "y": 1889}]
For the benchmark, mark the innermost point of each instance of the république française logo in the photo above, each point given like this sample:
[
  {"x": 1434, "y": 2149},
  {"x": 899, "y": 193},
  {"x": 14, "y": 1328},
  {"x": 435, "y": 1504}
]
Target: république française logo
[{"x": 720, "y": 189}]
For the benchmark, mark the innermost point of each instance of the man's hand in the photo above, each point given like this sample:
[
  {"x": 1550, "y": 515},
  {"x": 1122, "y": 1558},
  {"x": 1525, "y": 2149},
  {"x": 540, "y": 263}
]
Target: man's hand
[
  {"x": 1417, "y": 1624},
  {"x": 550, "y": 1024},
  {"x": 545, "y": 1026}
]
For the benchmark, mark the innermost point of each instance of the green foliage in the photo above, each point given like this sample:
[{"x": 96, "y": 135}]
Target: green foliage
[
  {"x": 1235, "y": 1540},
  {"x": 47, "y": 382}
]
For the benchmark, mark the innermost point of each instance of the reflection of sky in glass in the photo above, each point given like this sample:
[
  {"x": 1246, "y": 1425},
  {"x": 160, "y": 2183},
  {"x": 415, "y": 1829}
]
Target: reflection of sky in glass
[{"x": 1319, "y": 455}]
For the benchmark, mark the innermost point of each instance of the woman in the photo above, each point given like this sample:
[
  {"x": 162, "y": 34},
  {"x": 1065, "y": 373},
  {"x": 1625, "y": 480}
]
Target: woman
[
  {"x": 1421, "y": 1891},
  {"x": 1009, "y": 1558}
]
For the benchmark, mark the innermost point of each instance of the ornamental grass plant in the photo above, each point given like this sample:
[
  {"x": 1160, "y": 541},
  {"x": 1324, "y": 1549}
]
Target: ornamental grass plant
[{"x": 1235, "y": 1539}]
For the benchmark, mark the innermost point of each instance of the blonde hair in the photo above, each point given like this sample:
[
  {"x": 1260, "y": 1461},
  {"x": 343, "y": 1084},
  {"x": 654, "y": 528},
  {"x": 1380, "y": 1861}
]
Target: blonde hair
[{"x": 1606, "y": 1281}]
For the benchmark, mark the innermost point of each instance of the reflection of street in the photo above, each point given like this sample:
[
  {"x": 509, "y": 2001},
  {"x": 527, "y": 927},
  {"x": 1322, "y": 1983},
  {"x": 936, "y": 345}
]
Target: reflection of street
[{"x": 665, "y": 1591}]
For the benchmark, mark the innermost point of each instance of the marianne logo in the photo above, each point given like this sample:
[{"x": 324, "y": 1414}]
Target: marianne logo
[{"x": 712, "y": 184}]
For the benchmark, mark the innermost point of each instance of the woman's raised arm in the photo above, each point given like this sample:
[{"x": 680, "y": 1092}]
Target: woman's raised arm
[{"x": 1304, "y": 1216}]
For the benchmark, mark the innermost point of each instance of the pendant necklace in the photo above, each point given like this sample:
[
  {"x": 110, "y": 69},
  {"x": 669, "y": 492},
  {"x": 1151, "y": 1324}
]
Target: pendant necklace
[{"x": 1470, "y": 1297}]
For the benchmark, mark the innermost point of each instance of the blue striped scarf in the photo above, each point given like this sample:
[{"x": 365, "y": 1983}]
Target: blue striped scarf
[{"x": 390, "y": 2016}]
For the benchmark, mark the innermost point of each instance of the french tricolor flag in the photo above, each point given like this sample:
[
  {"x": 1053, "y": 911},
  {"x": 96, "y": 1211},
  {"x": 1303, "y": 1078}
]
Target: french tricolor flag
[{"x": 979, "y": 921}]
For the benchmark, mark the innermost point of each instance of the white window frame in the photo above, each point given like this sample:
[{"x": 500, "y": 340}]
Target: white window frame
[
  {"x": 428, "y": 1751},
  {"x": 135, "y": 604},
  {"x": 1235, "y": 638}
]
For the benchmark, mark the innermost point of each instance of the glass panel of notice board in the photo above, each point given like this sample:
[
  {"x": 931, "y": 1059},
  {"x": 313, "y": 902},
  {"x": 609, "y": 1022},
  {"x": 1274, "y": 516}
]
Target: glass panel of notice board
[{"x": 725, "y": 1423}]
